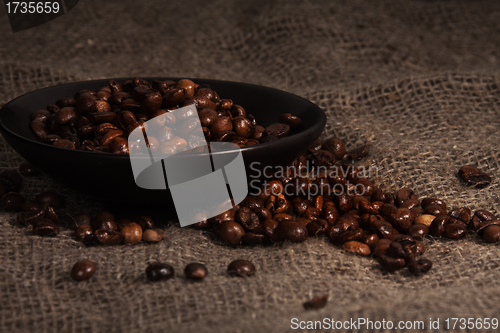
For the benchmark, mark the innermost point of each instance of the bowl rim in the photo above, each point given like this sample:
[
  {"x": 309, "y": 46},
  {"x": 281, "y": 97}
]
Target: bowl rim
[{"x": 283, "y": 141}]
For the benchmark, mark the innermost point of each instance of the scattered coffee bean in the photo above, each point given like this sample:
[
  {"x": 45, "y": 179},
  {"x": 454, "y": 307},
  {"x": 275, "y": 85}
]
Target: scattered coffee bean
[
  {"x": 317, "y": 302},
  {"x": 12, "y": 201},
  {"x": 492, "y": 233},
  {"x": 83, "y": 270},
  {"x": 474, "y": 177},
  {"x": 159, "y": 271},
  {"x": 132, "y": 233},
  {"x": 195, "y": 271},
  {"x": 241, "y": 267},
  {"x": 46, "y": 227},
  {"x": 420, "y": 266},
  {"x": 357, "y": 247},
  {"x": 153, "y": 235}
]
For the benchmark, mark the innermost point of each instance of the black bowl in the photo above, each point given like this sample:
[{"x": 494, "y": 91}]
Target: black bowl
[{"x": 109, "y": 176}]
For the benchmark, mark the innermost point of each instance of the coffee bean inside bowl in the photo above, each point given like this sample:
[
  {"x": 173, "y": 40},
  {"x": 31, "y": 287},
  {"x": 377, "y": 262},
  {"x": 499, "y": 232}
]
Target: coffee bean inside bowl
[{"x": 101, "y": 120}]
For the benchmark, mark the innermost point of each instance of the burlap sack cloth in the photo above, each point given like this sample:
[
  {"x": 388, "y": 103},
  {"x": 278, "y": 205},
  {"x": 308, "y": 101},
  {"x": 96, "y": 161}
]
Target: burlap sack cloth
[{"x": 418, "y": 80}]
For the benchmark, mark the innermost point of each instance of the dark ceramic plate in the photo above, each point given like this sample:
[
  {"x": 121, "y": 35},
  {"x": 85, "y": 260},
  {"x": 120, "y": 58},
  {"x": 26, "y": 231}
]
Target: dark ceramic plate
[{"x": 109, "y": 176}]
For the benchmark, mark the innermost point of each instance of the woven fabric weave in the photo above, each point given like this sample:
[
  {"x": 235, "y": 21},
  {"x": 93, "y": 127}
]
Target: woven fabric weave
[{"x": 418, "y": 80}]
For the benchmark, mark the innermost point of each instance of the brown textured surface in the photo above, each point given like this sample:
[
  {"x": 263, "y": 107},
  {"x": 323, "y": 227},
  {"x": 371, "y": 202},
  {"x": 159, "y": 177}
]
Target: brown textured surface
[{"x": 416, "y": 79}]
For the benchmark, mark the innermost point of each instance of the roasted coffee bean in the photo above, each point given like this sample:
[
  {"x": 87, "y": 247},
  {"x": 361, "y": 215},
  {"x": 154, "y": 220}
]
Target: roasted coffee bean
[
  {"x": 242, "y": 127},
  {"x": 486, "y": 224},
  {"x": 357, "y": 247},
  {"x": 418, "y": 231},
  {"x": 195, "y": 271},
  {"x": 273, "y": 187},
  {"x": 436, "y": 228},
  {"x": 462, "y": 214},
  {"x": 221, "y": 124},
  {"x": 433, "y": 201},
  {"x": 65, "y": 115},
  {"x": 231, "y": 233},
  {"x": 336, "y": 147},
  {"x": 237, "y": 111},
  {"x": 253, "y": 203},
  {"x": 132, "y": 233},
  {"x": 51, "y": 198},
  {"x": 12, "y": 201},
  {"x": 46, "y": 227},
  {"x": 404, "y": 195},
  {"x": 103, "y": 221},
  {"x": 40, "y": 128},
  {"x": 63, "y": 102},
  {"x": 481, "y": 216},
  {"x": 153, "y": 235},
  {"x": 425, "y": 219},
  {"x": 159, "y": 272},
  {"x": 28, "y": 170},
  {"x": 435, "y": 210},
  {"x": 343, "y": 201},
  {"x": 282, "y": 217},
  {"x": 241, "y": 267},
  {"x": 402, "y": 219},
  {"x": 83, "y": 270},
  {"x": 251, "y": 238},
  {"x": 30, "y": 218},
  {"x": 145, "y": 222},
  {"x": 455, "y": 230},
  {"x": 322, "y": 159},
  {"x": 371, "y": 241},
  {"x": 410, "y": 204},
  {"x": 383, "y": 229},
  {"x": 364, "y": 187},
  {"x": 41, "y": 115},
  {"x": 391, "y": 264},
  {"x": 492, "y": 233},
  {"x": 379, "y": 195},
  {"x": 84, "y": 233},
  {"x": 106, "y": 237},
  {"x": 317, "y": 302},
  {"x": 51, "y": 214},
  {"x": 278, "y": 130},
  {"x": 64, "y": 144},
  {"x": 247, "y": 218},
  {"x": 316, "y": 227},
  {"x": 291, "y": 231},
  {"x": 278, "y": 204},
  {"x": 420, "y": 266},
  {"x": 313, "y": 213},
  {"x": 355, "y": 234},
  {"x": 358, "y": 153},
  {"x": 381, "y": 247},
  {"x": 258, "y": 133},
  {"x": 224, "y": 136},
  {"x": 290, "y": 120},
  {"x": 474, "y": 177}
]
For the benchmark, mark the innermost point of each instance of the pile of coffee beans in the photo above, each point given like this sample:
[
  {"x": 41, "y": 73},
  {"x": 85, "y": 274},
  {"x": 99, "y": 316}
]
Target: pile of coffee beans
[
  {"x": 102, "y": 120},
  {"x": 311, "y": 201},
  {"x": 308, "y": 200}
]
